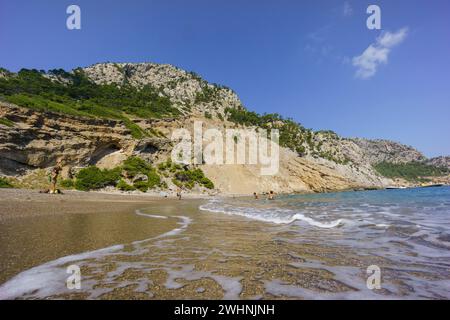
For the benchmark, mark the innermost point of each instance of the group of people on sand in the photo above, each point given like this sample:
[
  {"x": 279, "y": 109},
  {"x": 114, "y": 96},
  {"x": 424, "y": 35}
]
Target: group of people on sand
[{"x": 270, "y": 195}]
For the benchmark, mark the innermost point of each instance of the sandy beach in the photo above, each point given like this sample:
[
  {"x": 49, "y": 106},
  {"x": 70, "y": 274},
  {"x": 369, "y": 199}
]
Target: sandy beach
[
  {"x": 216, "y": 257},
  {"x": 141, "y": 247},
  {"x": 36, "y": 228}
]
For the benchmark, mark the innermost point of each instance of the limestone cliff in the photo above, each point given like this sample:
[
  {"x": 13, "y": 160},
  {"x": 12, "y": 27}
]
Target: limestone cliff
[{"x": 440, "y": 162}]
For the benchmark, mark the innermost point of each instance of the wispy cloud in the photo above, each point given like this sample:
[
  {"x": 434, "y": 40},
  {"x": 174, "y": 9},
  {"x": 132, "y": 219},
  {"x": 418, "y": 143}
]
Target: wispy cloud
[
  {"x": 319, "y": 35},
  {"x": 317, "y": 44},
  {"x": 347, "y": 10},
  {"x": 377, "y": 53}
]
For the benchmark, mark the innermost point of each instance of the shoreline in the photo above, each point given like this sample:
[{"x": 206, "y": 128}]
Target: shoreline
[
  {"x": 139, "y": 247},
  {"x": 36, "y": 228}
]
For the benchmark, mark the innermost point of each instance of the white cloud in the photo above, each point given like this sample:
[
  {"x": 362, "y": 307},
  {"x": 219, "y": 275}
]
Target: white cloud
[
  {"x": 390, "y": 40},
  {"x": 348, "y": 9},
  {"x": 377, "y": 53}
]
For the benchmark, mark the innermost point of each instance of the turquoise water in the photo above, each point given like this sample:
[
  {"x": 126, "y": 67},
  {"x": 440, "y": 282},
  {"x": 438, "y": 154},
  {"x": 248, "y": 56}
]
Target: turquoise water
[{"x": 407, "y": 230}]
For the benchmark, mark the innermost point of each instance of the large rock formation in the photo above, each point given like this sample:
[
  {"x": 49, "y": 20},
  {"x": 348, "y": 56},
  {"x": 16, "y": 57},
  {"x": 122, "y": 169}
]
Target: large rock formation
[
  {"x": 441, "y": 161},
  {"x": 375, "y": 151},
  {"x": 184, "y": 89},
  {"x": 37, "y": 139}
]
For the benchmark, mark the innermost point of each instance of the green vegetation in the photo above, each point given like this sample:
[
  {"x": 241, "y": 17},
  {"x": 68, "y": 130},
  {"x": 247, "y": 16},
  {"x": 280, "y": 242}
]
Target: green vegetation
[
  {"x": 67, "y": 184},
  {"x": 134, "y": 166},
  {"x": 208, "y": 94},
  {"x": 79, "y": 96},
  {"x": 156, "y": 133},
  {"x": 4, "y": 183},
  {"x": 208, "y": 115},
  {"x": 292, "y": 135},
  {"x": 183, "y": 177},
  {"x": 332, "y": 157},
  {"x": 144, "y": 175},
  {"x": 122, "y": 185},
  {"x": 169, "y": 166},
  {"x": 93, "y": 178},
  {"x": 412, "y": 171},
  {"x": 187, "y": 178},
  {"x": 6, "y": 122},
  {"x": 328, "y": 133}
]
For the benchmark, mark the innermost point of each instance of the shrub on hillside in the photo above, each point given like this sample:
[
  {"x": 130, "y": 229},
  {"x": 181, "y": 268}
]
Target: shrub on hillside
[
  {"x": 134, "y": 166},
  {"x": 188, "y": 179},
  {"x": 122, "y": 185},
  {"x": 93, "y": 178},
  {"x": 67, "y": 183},
  {"x": 4, "y": 183},
  {"x": 409, "y": 171},
  {"x": 82, "y": 97}
]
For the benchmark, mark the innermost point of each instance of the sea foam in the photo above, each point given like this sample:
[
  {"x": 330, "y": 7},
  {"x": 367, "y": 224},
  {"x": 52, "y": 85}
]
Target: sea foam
[
  {"x": 272, "y": 215},
  {"x": 50, "y": 278}
]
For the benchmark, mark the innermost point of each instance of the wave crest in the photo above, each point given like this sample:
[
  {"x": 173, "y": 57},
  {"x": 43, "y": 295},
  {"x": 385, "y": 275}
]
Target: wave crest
[{"x": 272, "y": 215}]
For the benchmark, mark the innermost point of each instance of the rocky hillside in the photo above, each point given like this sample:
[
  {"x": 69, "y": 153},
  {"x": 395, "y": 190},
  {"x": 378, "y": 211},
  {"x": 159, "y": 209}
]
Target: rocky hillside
[
  {"x": 441, "y": 161},
  {"x": 186, "y": 90},
  {"x": 104, "y": 114},
  {"x": 376, "y": 151}
]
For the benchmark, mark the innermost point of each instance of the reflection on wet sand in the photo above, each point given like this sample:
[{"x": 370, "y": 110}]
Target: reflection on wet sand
[{"x": 173, "y": 253}]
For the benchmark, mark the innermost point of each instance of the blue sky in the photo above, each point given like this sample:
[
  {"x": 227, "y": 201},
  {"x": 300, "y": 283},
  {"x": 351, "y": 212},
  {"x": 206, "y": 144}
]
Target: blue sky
[{"x": 297, "y": 58}]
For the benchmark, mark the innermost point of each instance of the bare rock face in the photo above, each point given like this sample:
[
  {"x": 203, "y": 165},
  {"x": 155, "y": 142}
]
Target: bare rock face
[
  {"x": 295, "y": 174},
  {"x": 183, "y": 88},
  {"x": 38, "y": 139},
  {"x": 376, "y": 151},
  {"x": 442, "y": 161}
]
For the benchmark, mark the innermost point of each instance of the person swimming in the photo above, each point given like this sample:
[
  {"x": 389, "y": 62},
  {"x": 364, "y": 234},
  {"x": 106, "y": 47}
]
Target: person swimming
[{"x": 255, "y": 195}]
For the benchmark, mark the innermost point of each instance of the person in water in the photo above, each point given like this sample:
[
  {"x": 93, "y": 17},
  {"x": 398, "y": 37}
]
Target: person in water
[
  {"x": 255, "y": 195},
  {"x": 271, "y": 195},
  {"x": 179, "y": 193}
]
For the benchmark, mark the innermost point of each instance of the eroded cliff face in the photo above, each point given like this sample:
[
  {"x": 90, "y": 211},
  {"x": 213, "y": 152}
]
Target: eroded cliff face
[
  {"x": 37, "y": 139},
  {"x": 375, "y": 151}
]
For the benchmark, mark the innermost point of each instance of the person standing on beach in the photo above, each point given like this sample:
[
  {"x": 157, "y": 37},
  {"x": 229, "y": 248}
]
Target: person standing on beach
[
  {"x": 54, "y": 174},
  {"x": 179, "y": 193}
]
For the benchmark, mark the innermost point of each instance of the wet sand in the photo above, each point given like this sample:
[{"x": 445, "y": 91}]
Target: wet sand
[
  {"x": 171, "y": 250},
  {"x": 36, "y": 228}
]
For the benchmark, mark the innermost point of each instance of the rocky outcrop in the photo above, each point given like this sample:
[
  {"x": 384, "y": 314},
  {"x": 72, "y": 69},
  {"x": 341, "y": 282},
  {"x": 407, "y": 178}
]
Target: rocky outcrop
[
  {"x": 38, "y": 139},
  {"x": 376, "y": 151},
  {"x": 184, "y": 89},
  {"x": 442, "y": 161}
]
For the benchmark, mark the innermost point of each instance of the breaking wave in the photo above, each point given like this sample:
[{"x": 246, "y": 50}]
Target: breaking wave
[{"x": 272, "y": 215}]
